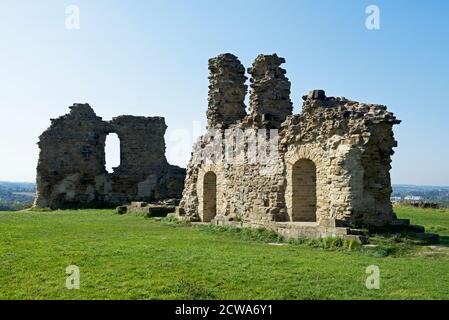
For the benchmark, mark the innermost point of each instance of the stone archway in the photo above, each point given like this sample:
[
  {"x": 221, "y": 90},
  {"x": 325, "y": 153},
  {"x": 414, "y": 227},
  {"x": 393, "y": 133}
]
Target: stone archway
[
  {"x": 304, "y": 191},
  {"x": 209, "y": 196}
]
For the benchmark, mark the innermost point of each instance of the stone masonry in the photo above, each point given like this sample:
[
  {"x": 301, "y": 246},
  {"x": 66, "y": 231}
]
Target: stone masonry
[
  {"x": 270, "y": 94},
  {"x": 71, "y": 169},
  {"x": 330, "y": 167},
  {"x": 227, "y": 91}
]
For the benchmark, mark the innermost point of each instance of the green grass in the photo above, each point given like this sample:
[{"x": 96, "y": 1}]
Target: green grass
[
  {"x": 131, "y": 257},
  {"x": 435, "y": 220}
]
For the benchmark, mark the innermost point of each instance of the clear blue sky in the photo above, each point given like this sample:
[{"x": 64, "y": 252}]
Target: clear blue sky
[{"x": 150, "y": 58}]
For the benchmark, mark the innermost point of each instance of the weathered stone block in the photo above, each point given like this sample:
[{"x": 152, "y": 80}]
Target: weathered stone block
[
  {"x": 317, "y": 95},
  {"x": 122, "y": 209}
]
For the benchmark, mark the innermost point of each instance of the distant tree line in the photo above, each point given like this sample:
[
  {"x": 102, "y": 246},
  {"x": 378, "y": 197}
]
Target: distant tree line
[
  {"x": 16, "y": 196},
  {"x": 426, "y": 194},
  {"x": 14, "y": 206}
]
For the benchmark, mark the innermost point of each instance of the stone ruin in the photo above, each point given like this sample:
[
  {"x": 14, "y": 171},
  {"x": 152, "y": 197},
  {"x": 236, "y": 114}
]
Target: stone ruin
[
  {"x": 71, "y": 170},
  {"x": 331, "y": 164},
  {"x": 319, "y": 173}
]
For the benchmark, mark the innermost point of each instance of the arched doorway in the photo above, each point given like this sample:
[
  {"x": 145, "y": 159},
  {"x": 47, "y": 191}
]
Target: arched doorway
[
  {"x": 209, "y": 196},
  {"x": 304, "y": 191}
]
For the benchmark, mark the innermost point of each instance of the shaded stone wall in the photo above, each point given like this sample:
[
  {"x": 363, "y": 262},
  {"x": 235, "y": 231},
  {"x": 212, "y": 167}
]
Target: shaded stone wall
[
  {"x": 349, "y": 143},
  {"x": 71, "y": 169}
]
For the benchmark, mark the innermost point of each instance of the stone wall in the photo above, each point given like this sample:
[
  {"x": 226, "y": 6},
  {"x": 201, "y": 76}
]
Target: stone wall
[
  {"x": 71, "y": 169},
  {"x": 344, "y": 139},
  {"x": 331, "y": 162}
]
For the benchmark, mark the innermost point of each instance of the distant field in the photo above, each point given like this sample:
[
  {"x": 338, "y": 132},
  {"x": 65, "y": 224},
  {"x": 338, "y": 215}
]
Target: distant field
[
  {"x": 28, "y": 194},
  {"x": 131, "y": 257},
  {"x": 16, "y": 195}
]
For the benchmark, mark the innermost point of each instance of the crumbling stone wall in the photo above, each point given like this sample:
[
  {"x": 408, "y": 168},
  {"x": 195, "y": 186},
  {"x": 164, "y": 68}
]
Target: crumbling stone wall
[
  {"x": 351, "y": 144},
  {"x": 71, "y": 169},
  {"x": 347, "y": 144}
]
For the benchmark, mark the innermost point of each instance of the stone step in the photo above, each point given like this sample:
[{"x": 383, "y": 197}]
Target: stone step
[
  {"x": 356, "y": 232},
  {"x": 400, "y": 222},
  {"x": 429, "y": 237},
  {"x": 150, "y": 210},
  {"x": 416, "y": 228}
]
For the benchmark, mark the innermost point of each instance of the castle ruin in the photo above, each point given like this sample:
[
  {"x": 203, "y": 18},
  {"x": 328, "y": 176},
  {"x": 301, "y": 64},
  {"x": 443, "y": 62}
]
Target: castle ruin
[
  {"x": 331, "y": 163},
  {"x": 71, "y": 169}
]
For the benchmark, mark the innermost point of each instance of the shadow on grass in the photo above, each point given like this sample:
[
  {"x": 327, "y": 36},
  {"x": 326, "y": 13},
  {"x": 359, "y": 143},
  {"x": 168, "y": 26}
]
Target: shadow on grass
[
  {"x": 444, "y": 240},
  {"x": 190, "y": 290}
]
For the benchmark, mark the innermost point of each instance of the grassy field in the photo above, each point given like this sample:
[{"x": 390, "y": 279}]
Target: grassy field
[{"x": 131, "y": 257}]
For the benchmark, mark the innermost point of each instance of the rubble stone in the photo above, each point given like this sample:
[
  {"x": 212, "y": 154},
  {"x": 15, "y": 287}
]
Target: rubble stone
[{"x": 150, "y": 210}]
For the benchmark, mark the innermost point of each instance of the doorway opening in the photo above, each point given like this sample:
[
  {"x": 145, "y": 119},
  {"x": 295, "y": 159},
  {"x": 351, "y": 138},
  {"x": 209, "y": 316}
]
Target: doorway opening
[
  {"x": 209, "y": 196},
  {"x": 304, "y": 191}
]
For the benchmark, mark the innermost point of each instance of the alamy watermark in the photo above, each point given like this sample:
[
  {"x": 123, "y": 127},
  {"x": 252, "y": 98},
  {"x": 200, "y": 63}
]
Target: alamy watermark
[
  {"x": 73, "y": 277},
  {"x": 372, "y": 21},
  {"x": 72, "y": 19},
  {"x": 237, "y": 146},
  {"x": 373, "y": 280}
]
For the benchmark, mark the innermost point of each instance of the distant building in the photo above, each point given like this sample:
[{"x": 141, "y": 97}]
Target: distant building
[{"x": 413, "y": 198}]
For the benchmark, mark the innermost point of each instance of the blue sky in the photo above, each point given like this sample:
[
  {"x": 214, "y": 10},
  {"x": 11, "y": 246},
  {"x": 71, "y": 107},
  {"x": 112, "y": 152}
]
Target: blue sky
[{"x": 150, "y": 58}]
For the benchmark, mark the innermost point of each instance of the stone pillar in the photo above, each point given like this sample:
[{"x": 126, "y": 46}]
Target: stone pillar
[
  {"x": 270, "y": 90},
  {"x": 227, "y": 91}
]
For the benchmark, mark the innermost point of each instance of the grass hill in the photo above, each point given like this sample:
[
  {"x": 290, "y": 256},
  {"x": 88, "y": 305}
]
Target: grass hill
[{"x": 131, "y": 257}]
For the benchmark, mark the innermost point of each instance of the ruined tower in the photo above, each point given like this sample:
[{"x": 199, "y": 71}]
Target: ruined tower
[{"x": 330, "y": 168}]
